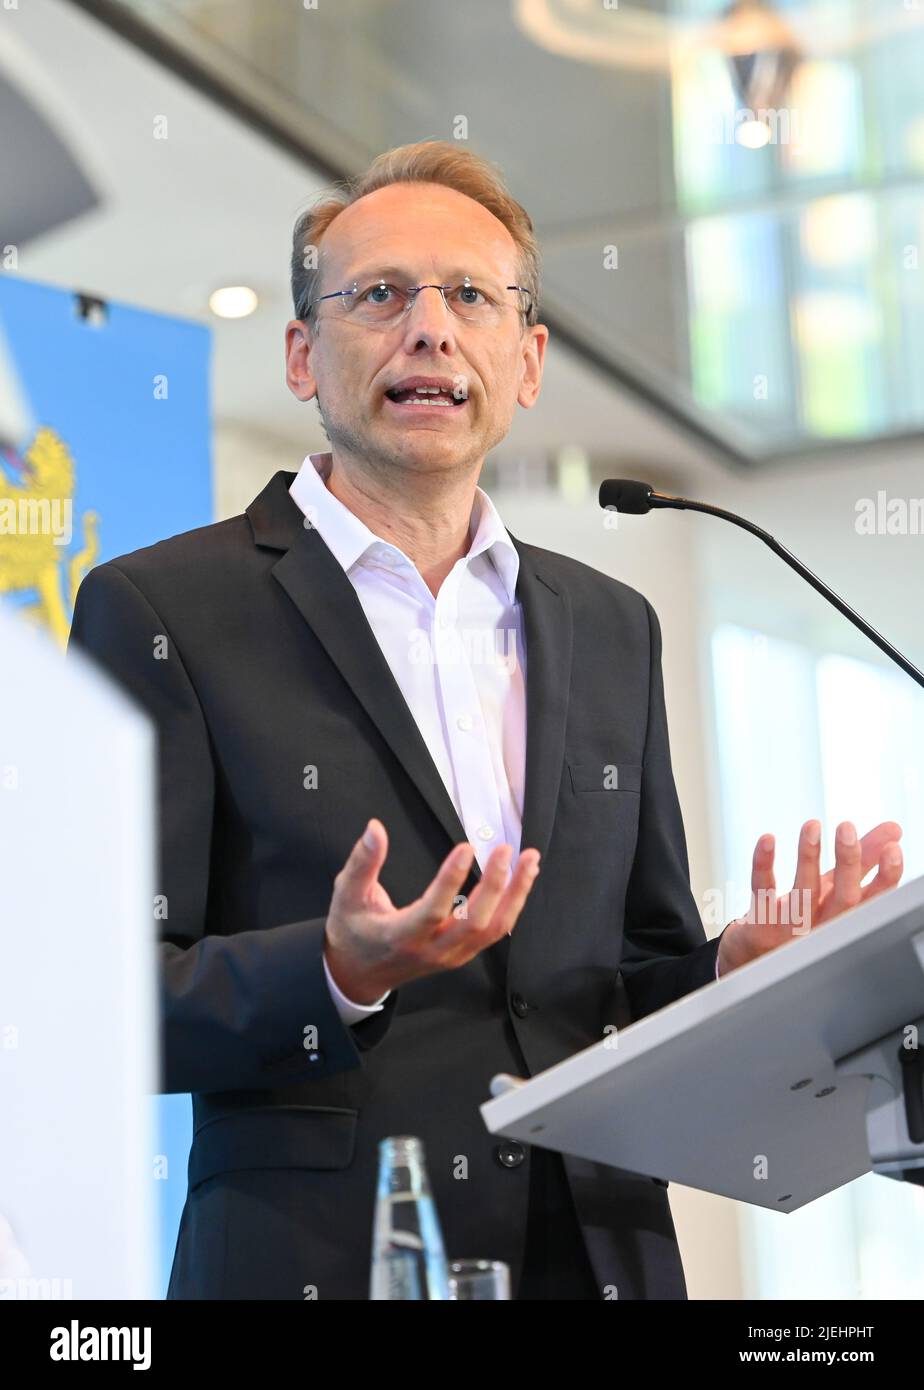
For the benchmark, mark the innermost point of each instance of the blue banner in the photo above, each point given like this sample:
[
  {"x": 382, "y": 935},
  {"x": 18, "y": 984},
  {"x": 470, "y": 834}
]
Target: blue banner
[{"x": 104, "y": 447}]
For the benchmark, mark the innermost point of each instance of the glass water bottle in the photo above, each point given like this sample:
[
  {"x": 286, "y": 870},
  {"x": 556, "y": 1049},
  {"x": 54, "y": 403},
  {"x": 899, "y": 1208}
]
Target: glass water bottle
[{"x": 408, "y": 1258}]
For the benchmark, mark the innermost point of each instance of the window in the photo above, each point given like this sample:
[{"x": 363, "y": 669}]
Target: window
[{"x": 846, "y": 743}]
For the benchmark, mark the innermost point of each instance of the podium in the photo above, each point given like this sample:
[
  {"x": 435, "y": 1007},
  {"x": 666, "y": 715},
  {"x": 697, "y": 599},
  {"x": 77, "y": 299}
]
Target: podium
[{"x": 785, "y": 1079}]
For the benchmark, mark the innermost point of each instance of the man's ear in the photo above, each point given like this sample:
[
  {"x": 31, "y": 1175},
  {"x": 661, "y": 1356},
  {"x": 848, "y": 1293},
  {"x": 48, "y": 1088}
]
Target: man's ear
[
  {"x": 533, "y": 350},
  {"x": 299, "y": 376}
]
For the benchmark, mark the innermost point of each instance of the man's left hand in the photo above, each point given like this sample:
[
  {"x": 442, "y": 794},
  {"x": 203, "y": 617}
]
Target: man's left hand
[{"x": 815, "y": 898}]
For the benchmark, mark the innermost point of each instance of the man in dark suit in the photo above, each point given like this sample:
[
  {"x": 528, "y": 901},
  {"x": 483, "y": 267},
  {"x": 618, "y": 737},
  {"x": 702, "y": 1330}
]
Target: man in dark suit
[{"x": 357, "y": 934}]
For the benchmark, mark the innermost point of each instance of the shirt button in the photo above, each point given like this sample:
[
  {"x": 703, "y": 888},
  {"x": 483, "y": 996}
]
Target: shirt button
[
  {"x": 445, "y": 622},
  {"x": 485, "y": 832},
  {"x": 465, "y": 721},
  {"x": 509, "y": 1154},
  {"x": 315, "y": 1056},
  {"x": 519, "y": 1005}
]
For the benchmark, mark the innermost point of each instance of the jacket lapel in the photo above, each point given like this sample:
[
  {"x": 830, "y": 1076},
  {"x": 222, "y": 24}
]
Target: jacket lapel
[
  {"x": 547, "y": 626},
  {"x": 327, "y": 601}
]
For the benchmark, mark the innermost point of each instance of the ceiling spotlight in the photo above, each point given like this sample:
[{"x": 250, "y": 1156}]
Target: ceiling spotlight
[
  {"x": 233, "y": 302},
  {"x": 753, "y": 135}
]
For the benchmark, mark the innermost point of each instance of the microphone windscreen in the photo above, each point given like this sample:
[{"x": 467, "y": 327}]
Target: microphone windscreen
[{"x": 625, "y": 495}]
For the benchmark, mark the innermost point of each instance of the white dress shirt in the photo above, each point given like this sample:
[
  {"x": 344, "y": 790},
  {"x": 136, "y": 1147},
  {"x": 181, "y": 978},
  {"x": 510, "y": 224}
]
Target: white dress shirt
[{"x": 458, "y": 659}]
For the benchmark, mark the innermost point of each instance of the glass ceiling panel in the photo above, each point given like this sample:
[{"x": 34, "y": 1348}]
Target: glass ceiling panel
[{"x": 730, "y": 199}]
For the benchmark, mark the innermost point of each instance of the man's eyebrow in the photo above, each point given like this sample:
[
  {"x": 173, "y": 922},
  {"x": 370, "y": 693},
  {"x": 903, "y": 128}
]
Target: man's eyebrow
[{"x": 366, "y": 275}]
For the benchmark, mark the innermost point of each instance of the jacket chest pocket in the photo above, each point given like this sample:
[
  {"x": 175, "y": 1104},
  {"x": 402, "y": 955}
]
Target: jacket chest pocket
[
  {"x": 606, "y": 777},
  {"x": 605, "y": 803}
]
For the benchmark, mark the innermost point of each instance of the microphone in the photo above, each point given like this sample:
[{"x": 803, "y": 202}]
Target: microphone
[{"x": 636, "y": 499}]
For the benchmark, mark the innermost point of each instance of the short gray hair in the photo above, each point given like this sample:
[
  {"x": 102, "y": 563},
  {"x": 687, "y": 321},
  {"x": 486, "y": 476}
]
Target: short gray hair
[{"x": 428, "y": 161}]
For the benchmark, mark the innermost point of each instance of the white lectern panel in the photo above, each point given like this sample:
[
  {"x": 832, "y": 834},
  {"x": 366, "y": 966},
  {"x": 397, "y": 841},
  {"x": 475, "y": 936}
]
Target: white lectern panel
[
  {"x": 78, "y": 1052},
  {"x": 773, "y": 1085}
]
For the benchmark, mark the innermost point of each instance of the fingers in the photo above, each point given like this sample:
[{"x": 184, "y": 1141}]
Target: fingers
[
  {"x": 493, "y": 908},
  {"x": 816, "y": 898},
  {"x": 442, "y": 929},
  {"x": 763, "y": 881},
  {"x": 875, "y": 841},
  {"x": 356, "y": 881},
  {"x": 496, "y": 902},
  {"x": 505, "y": 916},
  {"x": 438, "y": 901},
  {"x": 841, "y": 887},
  {"x": 808, "y": 862},
  {"x": 848, "y": 870},
  {"x": 477, "y": 910},
  {"x": 490, "y": 889},
  {"x": 891, "y": 864}
]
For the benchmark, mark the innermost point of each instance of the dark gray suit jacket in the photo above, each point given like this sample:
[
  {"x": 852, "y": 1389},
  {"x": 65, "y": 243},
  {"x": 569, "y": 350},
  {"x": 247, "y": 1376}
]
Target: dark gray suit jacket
[{"x": 269, "y": 668}]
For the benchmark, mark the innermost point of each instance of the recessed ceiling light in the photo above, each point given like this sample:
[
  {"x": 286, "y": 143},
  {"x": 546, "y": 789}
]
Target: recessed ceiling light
[
  {"x": 233, "y": 302},
  {"x": 753, "y": 135}
]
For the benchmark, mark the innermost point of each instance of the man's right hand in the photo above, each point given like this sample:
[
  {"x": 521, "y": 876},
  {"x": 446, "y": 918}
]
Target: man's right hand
[{"x": 371, "y": 946}]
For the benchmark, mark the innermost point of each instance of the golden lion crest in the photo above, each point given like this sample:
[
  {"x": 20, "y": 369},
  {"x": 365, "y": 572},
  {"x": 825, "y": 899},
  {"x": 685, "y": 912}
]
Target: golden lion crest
[{"x": 32, "y": 557}]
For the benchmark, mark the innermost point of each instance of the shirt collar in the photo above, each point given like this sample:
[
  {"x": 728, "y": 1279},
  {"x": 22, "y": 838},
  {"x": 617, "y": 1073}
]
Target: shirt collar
[{"x": 349, "y": 539}]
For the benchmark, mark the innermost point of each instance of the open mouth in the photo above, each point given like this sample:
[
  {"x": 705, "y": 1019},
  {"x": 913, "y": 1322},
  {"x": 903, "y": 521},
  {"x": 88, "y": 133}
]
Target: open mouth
[{"x": 426, "y": 398}]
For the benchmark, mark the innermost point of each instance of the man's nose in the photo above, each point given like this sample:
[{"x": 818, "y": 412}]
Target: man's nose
[{"x": 430, "y": 321}]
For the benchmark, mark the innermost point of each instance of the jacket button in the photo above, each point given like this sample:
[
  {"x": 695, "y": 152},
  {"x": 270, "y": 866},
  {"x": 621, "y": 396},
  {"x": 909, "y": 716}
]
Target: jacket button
[
  {"x": 510, "y": 1154},
  {"x": 519, "y": 1005}
]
